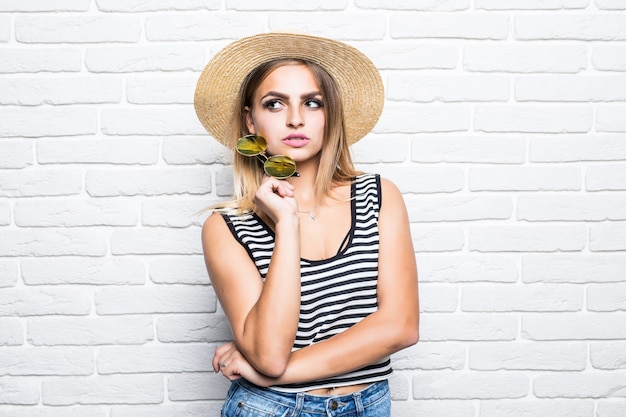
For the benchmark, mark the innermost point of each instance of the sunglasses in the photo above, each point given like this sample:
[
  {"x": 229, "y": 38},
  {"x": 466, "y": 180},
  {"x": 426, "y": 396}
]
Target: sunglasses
[{"x": 277, "y": 166}]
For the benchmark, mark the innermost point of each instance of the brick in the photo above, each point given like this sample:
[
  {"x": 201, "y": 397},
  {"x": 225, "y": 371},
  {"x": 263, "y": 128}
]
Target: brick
[
  {"x": 610, "y": 4},
  {"x": 47, "y": 361},
  {"x": 469, "y": 385},
  {"x": 83, "y": 411},
  {"x": 201, "y": 27},
  {"x": 610, "y": 57},
  {"x": 529, "y": 298},
  {"x": 156, "y": 5},
  {"x": 606, "y": 177},
  {"x": 536, "y": 408},
  {"x": 433, "y": 408},
  {"x": 586, "y": 27},
  {"x": 411, "y": 55},
  {"x": 52, "y": 242},
  {"x": 156, "y": 241},
  {"x": 11, "y": 333},
  {"x": 194, "y": 387},
  {"x": 528, "y": 356},
  {"x": 399, "y": 387},
  {"x": 147, "y": 181},
  {"x": 380, "y": 148},
  {"x": 570, "y": 88},
  {"x": 5, "y": 213},
  {"x": 191, "y": 409},
  {"x": 159, "y": 299},
  {"x": 576, "y": 269},
  {"x": 127, "y": 389},
  {"x": 438, "y": 299},
  {"x": 456, "y": 208},
  {"x": 533, "y": 238},
  {"x": 411, "y": 179},
  {"x": 30, "y": 60},
  {"x": 437, "y": 239},
  {"x": 608, "y": 355},
  {"x": 571, "y": 208},
  {"x": 463, "y": 26},
  {"x": 341, "y": 26},
  {"x": 611, "y": 119},
  {"x": 179, "y": 270},
  {"x": 423, "y": 118},
  {"x": 161, "y": 90},
  {"x": 286, "y": 5},
  {"x": 467, "y": 268},
  {"x": 419, "y": 5},
  {"x": 519, "y": 58},
  {"x": 525, "y": 178},
  {"x": 601, "y": 326},
  {"x": 83, "y": 271},
  {"x": 15, "y": 154},
  {"x": 473, "y": 149},
  {"x": 79, "y": 29},
  {"x": 19, "y": 392},
  {"x": 606, "y": 297},
  {"x": 607, "y": 237},
  {"x": 224, "y": 182},
  {"x": 531, "y": 4},
  {"x": 138, "y": 359},
  {"x": 611, "y": 408},
  {"x": 182, "y": 213},
  {"x": 133, "y": 330},
  {"x": 575, "y": 148},
  {"x": 188, "y": 150},
  {"x": 580, "y": 385},
  {"x": 8, "y": 274},
  {"x": 58, "y": 91},
  {"x": 154, "y": 121},
  {"x": 127, "y": 151},
  {"x": 425, "y": 88},
  {"x": 46, "y": 301},
  {"x": 203, "y": 328},
  {"x": 430, "y": 356},
  {"x": 45, "y": 5},
  {"x": 72, "y": 213},
  {"x": 144, "y": 58},
  {"x": 26, "y": 122},
  {"x": 533, "y": 119},
  {"x": 5, "y": 28},
  {"x": 436, "y": 327},
  {"x": 35, "y": 183}
]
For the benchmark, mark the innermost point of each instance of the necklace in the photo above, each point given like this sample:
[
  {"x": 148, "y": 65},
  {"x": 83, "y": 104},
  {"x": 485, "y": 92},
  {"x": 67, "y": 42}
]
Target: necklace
[{"x": 311, "y": 213}]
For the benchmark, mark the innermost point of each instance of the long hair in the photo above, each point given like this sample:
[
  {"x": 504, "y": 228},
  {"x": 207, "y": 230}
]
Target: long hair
[{"x": 335, "y": 161}]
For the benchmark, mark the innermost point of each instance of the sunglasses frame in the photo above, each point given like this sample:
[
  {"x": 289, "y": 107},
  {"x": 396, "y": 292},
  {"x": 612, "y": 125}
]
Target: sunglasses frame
[{"x": 262, "y": 156}]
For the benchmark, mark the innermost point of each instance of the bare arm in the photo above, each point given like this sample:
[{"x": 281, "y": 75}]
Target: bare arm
[{"x": 263, "y": 316}]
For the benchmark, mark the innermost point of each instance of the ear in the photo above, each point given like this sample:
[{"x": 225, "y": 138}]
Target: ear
[{"x": 249, "y": 121}]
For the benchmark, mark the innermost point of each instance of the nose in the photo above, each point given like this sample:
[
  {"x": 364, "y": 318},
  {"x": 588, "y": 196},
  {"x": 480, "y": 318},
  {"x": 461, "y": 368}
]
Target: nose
[{"x": 295, "y": 117}]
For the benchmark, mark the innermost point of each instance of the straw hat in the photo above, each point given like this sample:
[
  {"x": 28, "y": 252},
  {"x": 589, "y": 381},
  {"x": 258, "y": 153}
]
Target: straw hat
[{"x": 359, "y": 82}]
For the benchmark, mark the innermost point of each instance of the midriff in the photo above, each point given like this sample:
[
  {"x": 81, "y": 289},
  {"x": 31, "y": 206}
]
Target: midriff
[{"x": 348, "y": 389}]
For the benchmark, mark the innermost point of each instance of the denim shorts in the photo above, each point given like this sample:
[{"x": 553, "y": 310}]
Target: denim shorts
[{"x": 247, "y": 400}]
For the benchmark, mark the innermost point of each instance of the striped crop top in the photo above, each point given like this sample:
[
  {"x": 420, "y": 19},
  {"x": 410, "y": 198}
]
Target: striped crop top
[{"x": 336, "y": 292}]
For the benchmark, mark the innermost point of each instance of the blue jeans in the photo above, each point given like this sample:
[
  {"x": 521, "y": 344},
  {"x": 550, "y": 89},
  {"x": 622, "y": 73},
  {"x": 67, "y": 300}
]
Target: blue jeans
[{"x": 248, "y": 400}]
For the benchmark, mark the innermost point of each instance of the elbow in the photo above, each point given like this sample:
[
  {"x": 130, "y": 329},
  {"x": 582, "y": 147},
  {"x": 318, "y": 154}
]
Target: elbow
[
  {"x": 407, "y": 335},
  {"x": 271, "y": 367}
]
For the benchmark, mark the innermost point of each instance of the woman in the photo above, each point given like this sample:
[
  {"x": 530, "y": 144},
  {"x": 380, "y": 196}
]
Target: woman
[{"x": 314, "y": 269}]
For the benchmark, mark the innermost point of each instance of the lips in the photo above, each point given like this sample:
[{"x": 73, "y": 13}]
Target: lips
[{"x": 296, "y": 141}]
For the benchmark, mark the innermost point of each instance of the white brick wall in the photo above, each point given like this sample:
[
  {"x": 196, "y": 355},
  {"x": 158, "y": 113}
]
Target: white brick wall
[{"x": 505, "y": 128}]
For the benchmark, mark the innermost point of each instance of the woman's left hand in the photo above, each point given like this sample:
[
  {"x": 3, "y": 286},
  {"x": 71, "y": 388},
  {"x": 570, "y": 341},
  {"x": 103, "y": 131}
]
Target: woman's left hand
[{"x": 233, "y": 365}]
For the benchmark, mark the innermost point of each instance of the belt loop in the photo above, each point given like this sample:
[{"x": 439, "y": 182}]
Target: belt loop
[
  {"x": 299, "y": 405},
  {"x": 358, "y": 403}
]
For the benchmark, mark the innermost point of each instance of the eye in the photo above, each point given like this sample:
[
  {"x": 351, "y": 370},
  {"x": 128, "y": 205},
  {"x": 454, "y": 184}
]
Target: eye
[
  {"x": 272, "y": 104},
  {"x": 314, "y": 104}
]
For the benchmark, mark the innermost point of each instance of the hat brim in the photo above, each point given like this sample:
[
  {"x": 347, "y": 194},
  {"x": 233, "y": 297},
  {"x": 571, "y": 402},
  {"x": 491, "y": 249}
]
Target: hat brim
[{"x": 357, "y": 78}]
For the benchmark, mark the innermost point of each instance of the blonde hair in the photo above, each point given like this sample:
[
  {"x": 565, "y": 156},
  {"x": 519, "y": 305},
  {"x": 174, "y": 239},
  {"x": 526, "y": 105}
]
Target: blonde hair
[{"x": 335, "y": 160}]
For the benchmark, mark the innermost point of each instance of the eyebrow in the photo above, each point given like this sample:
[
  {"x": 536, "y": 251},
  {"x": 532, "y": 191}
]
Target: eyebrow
[{"x": 312, "y": 94}]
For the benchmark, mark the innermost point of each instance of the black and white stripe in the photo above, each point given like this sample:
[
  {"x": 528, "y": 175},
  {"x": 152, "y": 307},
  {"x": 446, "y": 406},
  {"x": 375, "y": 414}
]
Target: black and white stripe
[{"x": 336, "y": 292}]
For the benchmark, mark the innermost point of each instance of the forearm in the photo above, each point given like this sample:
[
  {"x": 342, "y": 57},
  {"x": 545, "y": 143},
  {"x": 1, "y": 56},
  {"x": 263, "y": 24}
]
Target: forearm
[{"x": 270, "y": 327}]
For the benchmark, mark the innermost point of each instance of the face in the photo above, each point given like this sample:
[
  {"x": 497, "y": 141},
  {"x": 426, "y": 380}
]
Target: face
[{"x": 287, "y": 109}]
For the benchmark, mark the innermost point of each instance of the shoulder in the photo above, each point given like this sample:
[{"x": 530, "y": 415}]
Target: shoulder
[{"x": 391, "y": 197}]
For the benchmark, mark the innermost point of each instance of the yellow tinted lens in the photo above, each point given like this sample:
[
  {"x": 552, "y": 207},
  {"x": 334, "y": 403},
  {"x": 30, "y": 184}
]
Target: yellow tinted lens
[
  {"x": 280, "y": 166},
  {"x": 251, "y": 145}
]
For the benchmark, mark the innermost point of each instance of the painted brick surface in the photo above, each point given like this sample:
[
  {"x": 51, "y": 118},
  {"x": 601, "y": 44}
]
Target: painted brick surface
[{"x": 504, "y": 129}]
